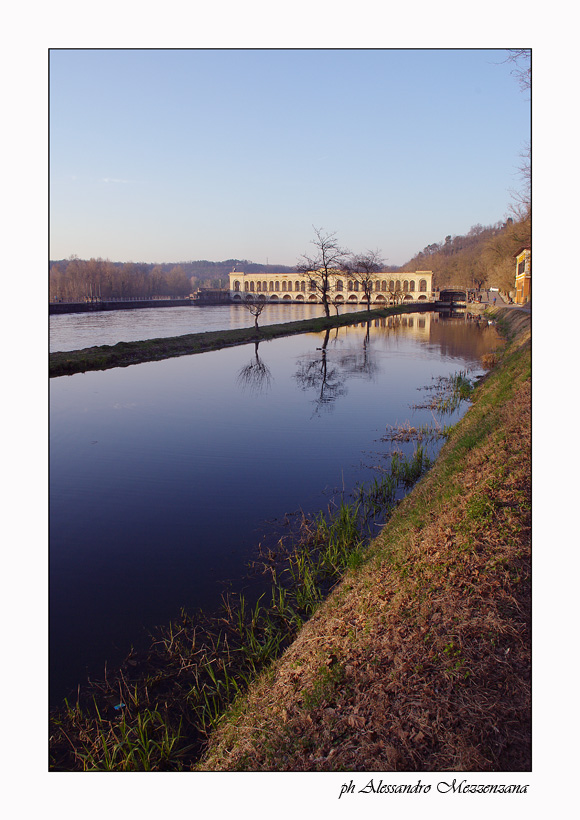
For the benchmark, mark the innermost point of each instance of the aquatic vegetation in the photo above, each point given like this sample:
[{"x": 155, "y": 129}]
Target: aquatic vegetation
[
  {"x": 158, "y": 711},
  {"x": 447, "y": 393}
]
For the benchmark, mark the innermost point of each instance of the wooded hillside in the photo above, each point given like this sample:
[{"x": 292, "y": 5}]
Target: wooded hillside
[{"x": 481, "y": 258}]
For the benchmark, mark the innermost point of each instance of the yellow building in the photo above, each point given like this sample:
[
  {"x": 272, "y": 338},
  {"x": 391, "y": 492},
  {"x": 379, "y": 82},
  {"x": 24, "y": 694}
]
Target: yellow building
[
  {"x": 523, "y": 276},
  {"x": 296, "y": 287}
]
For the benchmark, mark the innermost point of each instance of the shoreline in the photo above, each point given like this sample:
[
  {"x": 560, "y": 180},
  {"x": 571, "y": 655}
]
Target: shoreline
[
  {"x": 124, "y": 354},
  {"x": 429, "y": 623},
  {"x": 420, "y": 659}
]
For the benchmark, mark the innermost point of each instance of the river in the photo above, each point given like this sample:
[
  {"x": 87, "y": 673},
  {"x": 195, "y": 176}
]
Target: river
[
  {"x": 72, "y": 331},
  {"x": 164, "y": 476}
]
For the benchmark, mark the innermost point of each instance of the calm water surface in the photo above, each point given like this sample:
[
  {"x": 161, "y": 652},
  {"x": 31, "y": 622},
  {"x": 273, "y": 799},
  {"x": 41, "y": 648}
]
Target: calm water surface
[
  {"x": 73, "y": 331},
  {"x": 164, "y": 476}
]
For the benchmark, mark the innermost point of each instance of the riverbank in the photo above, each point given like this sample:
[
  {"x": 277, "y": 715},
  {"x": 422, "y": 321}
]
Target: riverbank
[
  {"x": 123, "y": 354},
  {"x": 420, "y": 660}
]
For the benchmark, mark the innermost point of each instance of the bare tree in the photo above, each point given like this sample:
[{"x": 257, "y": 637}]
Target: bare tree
[
  {"x": 363, "y": 268},
  {"x": 320, "y": 268},
  {"x": 255, "y": 307}
]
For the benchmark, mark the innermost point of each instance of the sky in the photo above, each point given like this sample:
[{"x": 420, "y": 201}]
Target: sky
[{"x": 169, "y": 155}]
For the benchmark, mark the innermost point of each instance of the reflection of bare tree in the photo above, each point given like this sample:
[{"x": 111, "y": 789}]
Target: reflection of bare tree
[
  {"x": 255, "y": 375},
  {"x": 361, "y": 363},
  {"x": 328, "y": 377},
  {"x": 315, "y": 373}
]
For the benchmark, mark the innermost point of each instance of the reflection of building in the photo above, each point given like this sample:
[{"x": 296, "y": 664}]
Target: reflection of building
[
  {"x": 416, "y": 325},
  {"x": 523, "y": 276},
  {"x": 296, "y": 287}
]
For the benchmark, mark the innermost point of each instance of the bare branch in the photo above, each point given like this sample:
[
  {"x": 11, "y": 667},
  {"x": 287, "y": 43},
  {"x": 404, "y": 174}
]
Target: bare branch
[{"x": 521, "y": 58}]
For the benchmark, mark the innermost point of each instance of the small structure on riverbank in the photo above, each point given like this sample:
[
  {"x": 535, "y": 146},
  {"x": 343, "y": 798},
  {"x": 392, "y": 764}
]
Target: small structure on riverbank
[
  {"x": 210, "y": 296},
  {"x": 133, "y": 303},
  {"x": 523, "y": 275}
]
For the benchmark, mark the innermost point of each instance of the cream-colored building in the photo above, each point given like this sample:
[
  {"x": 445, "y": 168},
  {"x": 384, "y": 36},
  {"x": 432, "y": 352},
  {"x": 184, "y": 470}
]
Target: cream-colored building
[{"x": 297, "y": 287}]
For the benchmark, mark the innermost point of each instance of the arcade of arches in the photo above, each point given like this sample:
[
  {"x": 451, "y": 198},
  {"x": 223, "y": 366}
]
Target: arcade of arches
[{"x": 295, "y": 287}]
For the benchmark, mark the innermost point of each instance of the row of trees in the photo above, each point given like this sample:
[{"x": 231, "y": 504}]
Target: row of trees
[
  {"x": 75, "y": 279},
  {"x": 329, "y": 257}
]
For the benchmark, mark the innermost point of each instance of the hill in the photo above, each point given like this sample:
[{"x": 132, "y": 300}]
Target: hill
[{"x": 484, "y": 257}]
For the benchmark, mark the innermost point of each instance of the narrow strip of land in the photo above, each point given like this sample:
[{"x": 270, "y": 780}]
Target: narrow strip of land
[{"x": 123, "y": 354}]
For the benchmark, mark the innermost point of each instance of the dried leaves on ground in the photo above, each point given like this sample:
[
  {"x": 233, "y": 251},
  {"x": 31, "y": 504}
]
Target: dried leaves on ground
[{"x": 420, "y": 661}]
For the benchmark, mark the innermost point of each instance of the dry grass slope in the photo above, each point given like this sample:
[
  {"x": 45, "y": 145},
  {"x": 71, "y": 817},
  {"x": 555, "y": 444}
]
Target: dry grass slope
[{"x": 419, "y": 660}]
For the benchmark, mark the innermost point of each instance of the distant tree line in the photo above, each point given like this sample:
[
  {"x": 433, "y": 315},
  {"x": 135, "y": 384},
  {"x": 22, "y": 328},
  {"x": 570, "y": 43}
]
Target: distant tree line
[{"x": 75, "y": 279}]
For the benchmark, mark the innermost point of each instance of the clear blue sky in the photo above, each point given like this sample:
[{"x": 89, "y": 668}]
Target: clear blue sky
[{"x": 173, "y": 155}]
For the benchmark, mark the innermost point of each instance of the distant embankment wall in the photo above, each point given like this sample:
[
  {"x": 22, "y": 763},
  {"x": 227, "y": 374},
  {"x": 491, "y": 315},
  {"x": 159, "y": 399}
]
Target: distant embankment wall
[{"x": 90, "y": 307}]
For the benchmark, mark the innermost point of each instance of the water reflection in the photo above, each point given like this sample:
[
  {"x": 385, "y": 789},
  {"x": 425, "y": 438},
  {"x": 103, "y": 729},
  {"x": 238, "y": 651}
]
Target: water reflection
[
  {"x": 164, "y": 474},
  {"x": 79, "y": 330},
  {"x": 361, "y": 362},
  {"x": 326, "y": 381},
  {"x": 255, "y": 376},
  {"x": 326, "y": 371}
]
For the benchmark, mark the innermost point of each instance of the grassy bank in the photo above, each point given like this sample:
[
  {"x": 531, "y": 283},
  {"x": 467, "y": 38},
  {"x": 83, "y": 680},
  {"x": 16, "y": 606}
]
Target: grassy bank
[
  {"x": 122, "y": 354},
  {"x": 419, "y": 658}
]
